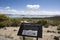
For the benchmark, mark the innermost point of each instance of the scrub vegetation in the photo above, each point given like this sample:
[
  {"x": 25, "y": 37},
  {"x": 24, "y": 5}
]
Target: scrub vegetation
[{"x": 6, "y": 21}]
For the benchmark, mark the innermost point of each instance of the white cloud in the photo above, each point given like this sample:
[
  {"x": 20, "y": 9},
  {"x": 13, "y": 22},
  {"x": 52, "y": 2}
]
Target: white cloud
[
  {"x": 13, "y": 11},
  {"x": 8, "y": 10},
  {"x": 33, "y": 6},
  {"x": 7, "y": 7}
]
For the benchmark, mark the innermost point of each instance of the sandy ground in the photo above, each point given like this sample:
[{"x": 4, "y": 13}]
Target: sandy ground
[
  {"x": 11, "y": 33},
  {"x": 3, "y": 38}
]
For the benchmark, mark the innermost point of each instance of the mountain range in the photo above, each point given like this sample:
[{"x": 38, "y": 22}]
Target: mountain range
[{"x": 29, "y": 16}]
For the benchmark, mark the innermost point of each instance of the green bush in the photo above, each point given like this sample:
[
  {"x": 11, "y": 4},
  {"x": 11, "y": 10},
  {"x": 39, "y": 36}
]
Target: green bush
[
  {"x": 58, "y": 28},
  {"x": 3, "y": 20},
  {"x": 3, "y": 17},
  {"x": 46, "y": 26},
  {"x": 3, "y": 24},
  {"x": 54, "y": 23},
  {"x": 15, "y": 22},
  {"x": 43, "y": 22}
]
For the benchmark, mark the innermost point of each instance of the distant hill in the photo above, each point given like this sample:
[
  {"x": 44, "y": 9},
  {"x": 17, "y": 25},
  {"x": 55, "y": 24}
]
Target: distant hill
[
  {"x": 56, "y": 18},
  {"x": 28, "y": 16},
  {"x": 50, "y": 17}
]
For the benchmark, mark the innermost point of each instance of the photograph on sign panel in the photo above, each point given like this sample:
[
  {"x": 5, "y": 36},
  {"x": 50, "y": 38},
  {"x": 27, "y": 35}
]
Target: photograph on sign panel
[{"x": 29, "y": 33}]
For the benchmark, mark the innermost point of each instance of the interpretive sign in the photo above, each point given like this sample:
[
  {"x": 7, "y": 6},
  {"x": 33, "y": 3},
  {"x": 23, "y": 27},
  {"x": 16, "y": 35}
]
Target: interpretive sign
[{"x": 30, "y": 29}]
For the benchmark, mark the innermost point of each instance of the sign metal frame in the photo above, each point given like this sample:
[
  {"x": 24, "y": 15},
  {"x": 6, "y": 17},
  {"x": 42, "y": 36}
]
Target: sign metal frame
[{"x": 30, "y": 26}]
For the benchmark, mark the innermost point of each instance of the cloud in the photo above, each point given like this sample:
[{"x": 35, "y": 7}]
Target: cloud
[
  {"x": 22, "y": 12},
  {"x": 8, "y": 10},
  {"x": 33, "y": 6},
  {"x": 7, "y": 7}
]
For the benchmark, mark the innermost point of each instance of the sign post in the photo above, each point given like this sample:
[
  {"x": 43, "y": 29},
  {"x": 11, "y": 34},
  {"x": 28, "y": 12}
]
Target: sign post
[
  {"x": 37, "y": 38},
  {"x": 30, "y": 30},
  {"x": 23, "y": 37}
]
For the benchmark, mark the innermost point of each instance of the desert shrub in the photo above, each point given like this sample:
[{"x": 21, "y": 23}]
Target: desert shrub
[
  {"x": 5, "y": 28},
  {"x": 9, "y": 36},
  {"x": 26, "y": 38},
  {"x": 15, "y": 22},
  {"x": 46, "y": 26},
  {"x": 58, "y": 28},
  {"x": 54, "y": 23},
  {"x": 3, "y": 24},
  {"x": 43, "y": 22},
  {"x": 14, "y": 30},
  {"x": 3, "y": 20}
]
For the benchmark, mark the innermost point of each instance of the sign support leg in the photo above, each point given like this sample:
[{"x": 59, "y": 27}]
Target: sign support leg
[
  {"x": 23, "y": 37},
  {"x": 37, "y": 38}
]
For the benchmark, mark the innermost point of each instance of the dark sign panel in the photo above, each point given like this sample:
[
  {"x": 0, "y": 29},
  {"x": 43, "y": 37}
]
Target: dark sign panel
[{"x": 30, "y": 29}]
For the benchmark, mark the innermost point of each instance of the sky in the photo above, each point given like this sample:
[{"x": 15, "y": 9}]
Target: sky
[{"x": 30, "y": 7}]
